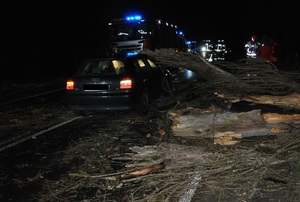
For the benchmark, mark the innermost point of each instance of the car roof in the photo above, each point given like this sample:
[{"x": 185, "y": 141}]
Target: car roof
[{"x": 124, "y": 55}]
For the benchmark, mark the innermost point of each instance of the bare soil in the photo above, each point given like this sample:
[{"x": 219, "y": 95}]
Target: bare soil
[{"x": 109, "y": 165}]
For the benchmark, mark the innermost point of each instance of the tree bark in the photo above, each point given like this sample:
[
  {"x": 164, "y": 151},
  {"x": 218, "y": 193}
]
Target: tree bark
[{"x": 215, "y": 124}]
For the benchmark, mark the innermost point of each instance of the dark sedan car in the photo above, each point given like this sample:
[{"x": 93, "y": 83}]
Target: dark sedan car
[{"x": 116, "y": 84}]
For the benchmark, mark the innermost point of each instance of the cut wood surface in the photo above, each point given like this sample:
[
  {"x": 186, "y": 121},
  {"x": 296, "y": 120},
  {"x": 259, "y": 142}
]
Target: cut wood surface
[
  {"x": 228, "y": 125},
  {"x": 286, "y": 101},
  {"x": 143, "y": 171},
  {"x": 227, "y": 138},
  {"x": 275, "y": 118},
  {"x": 206, "y": 125}
]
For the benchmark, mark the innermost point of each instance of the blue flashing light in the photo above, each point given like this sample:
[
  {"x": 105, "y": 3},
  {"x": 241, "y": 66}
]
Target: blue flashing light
[
  {"x": 180, "y": 33},
  {"x": 133, "y": 18},
  {"x": 131, "y": 53}
]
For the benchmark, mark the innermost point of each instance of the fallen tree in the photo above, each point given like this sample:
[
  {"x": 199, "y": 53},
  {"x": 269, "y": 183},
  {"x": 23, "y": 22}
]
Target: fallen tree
[
  {"x": 196, "y": 63},
  {"x": 245, "y": 76},
  {"x": 252, "y": 80}
]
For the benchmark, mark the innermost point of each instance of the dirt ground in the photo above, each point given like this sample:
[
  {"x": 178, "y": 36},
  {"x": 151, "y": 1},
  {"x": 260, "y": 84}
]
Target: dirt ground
[{"x": 137, "y": 158}]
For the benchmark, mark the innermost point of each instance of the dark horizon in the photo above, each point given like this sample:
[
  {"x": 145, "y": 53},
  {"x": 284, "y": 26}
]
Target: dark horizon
[{"x": 51, "y": 38}]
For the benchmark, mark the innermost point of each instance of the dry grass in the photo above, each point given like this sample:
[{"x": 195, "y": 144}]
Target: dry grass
[{"x": 251, "y": 170}]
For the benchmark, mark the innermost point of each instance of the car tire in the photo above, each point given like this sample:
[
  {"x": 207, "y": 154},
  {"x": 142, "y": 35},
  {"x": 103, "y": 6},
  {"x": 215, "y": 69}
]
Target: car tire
[
  {"x": 167, "y": 85},
  {"x": 144, "y": 103}
]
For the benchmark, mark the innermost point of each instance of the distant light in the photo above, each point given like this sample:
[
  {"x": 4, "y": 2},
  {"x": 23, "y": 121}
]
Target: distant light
[{"x": 133, "y": 18}]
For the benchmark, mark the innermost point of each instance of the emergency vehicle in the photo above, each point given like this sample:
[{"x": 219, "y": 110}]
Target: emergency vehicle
[
  {"x": 133, "y": 33},
  {"x": 213, "y": 51},
  {"x": 220, "y": 50},
  {"x": 206, "y": 50}
]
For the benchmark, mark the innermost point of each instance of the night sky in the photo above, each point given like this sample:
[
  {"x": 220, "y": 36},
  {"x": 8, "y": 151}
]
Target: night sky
[{"x": 51, "y": 38}]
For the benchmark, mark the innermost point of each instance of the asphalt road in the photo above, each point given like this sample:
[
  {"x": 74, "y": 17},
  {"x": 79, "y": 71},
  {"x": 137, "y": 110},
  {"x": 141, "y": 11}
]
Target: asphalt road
[{"x": 39, "y": 133}]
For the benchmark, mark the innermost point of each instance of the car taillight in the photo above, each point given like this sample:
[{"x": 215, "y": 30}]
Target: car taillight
[
  {"x": 70, "y": 85},
  {"x": 126, "y": 83}
]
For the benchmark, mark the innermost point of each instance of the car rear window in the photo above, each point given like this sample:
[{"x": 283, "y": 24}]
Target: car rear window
[
  {"x": 103, "y": 67},
  {"x": 118, "y": 66}
]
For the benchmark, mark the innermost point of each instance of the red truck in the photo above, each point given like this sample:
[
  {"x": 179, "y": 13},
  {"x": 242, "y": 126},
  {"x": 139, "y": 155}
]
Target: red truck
[{"x": 133, "y": 33}]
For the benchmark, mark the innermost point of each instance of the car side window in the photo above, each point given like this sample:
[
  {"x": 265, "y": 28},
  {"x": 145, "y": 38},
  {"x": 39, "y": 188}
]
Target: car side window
[
  {"x": 137, "y": 66},
  {"x": 152, "y": 64},
  {"x": 142, "y": 65}
]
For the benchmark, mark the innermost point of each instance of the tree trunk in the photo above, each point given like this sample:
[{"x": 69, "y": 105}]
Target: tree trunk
[
  {"x": 194, "y": 122},
  {"x": 247, "y": 76}
]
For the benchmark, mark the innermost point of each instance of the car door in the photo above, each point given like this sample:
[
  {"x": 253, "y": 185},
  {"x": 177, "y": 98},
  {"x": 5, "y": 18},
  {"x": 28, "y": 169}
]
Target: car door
[{"x": 154, "y": 77}]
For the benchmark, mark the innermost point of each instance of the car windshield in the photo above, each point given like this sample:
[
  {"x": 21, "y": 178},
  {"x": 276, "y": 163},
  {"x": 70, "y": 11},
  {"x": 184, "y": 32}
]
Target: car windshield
[
  {"x": 130, "y": 31},
  {"x": 111, "y": 66}
]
